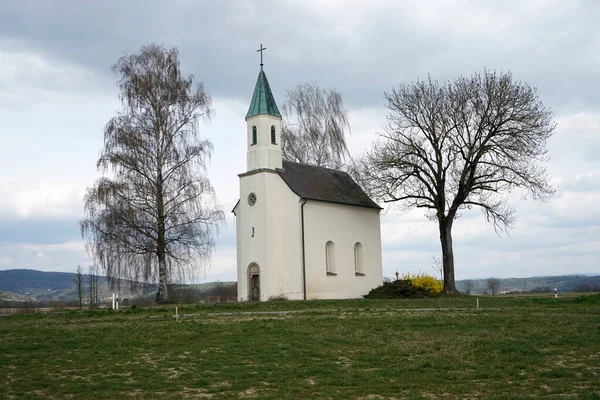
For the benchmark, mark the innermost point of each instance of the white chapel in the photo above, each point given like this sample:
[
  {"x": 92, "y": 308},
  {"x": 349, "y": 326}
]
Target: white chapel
[{"x": 303, "y": 232}]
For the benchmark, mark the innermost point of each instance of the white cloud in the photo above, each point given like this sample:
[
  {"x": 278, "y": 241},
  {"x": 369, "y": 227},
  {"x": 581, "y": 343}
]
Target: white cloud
[
  {"x": 26, "y": 199},
  {"x": 365, "y": 124},
  {"x": 6, "y": 262},
  {"x": 577, "y": 205},
  {"x": 48, "y": 257},
  {"x": 28, "y": 77},
  {"x": 75, "y": 245}
]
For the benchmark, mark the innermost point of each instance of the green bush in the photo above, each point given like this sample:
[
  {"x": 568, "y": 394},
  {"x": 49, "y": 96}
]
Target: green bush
[{"x": 400, "y": 289}]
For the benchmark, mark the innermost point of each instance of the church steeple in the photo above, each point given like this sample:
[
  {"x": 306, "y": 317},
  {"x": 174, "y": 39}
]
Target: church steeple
[
  {"x": 263, "y": 122},
  {"x": 263, "y": 102}
]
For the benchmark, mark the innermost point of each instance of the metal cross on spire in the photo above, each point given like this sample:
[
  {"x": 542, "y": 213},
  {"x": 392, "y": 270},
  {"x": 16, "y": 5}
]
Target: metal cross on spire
[{"x": 261, "y": 50}]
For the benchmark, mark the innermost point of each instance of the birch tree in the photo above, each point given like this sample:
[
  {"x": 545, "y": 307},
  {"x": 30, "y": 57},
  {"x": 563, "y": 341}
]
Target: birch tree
[
  {"x": 155, "y": 218},
  {"x": 93, "y": 281}
]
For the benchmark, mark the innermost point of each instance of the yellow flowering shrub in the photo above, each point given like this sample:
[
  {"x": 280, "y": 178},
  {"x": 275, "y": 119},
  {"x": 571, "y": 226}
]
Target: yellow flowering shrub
[{"x": 424, "y": 281}]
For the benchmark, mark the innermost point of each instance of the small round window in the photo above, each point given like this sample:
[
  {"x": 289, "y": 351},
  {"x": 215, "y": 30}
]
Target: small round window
[{"x": 252, "y": 199}]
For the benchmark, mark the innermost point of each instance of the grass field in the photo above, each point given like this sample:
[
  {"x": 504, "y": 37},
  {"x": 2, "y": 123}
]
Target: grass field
[{"x": 511, "y": 348}]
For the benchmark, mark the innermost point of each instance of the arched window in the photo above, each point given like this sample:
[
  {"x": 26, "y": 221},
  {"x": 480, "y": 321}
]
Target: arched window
[
  {"x": 330, "y": 258},
  {"x": 273, "y": 138},
  {"x": 254, "y": 135},
  {"x": 359, "y": 265}
]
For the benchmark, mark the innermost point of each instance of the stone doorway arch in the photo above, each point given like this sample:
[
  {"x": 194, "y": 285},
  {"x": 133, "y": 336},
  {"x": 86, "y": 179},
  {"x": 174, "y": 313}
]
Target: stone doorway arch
[{"x": 253, "y": 282}]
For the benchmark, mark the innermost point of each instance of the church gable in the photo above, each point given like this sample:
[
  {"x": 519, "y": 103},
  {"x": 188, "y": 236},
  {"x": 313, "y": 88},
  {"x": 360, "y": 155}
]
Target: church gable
[{"x": 324, "y": 184}]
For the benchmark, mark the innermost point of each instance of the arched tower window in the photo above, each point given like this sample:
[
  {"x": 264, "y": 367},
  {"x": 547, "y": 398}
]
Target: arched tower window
[
  {"x": 273, "y": 138},
  {"x": 359, "y": 265},
  {"x": 254, "y": 135},
  {"x": 330, "y": 258}
]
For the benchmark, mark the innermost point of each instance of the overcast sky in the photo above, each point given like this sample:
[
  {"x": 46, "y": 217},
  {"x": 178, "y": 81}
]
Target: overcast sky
[{"x": 57, "y": 92}]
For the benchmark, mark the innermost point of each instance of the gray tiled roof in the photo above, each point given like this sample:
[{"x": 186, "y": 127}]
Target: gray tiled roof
[{"x": 324, "y": 184}]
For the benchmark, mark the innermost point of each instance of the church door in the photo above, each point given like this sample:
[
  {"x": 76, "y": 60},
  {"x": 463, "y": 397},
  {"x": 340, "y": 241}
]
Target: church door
[{"x": 254, "y": 283}]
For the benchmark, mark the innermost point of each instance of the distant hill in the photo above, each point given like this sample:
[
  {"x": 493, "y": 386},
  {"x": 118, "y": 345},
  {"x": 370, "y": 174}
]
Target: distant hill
[
  {"x": 29, "y": 280},
  {"x": 30, "y": 284}
]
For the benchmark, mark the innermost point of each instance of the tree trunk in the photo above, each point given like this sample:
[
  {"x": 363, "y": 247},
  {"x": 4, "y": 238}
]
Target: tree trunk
[
  {"x": 445, "y": 225},
  {"x": 163, "y": 282},
  {"x": 163, "y": 295},
  {"x": 80, "y": 287}
]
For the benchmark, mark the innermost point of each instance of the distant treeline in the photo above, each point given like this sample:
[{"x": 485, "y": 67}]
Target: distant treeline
[{"x": 538, "y": 284}]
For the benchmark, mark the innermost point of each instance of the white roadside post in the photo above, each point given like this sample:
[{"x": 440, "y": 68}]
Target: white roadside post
[{"x": 113, "y": 301}]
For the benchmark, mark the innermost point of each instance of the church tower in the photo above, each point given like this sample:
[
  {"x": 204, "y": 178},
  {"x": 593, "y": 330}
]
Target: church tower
[
  {"x": 263, "y": 122},
  {"x": 265, "y": 210}
]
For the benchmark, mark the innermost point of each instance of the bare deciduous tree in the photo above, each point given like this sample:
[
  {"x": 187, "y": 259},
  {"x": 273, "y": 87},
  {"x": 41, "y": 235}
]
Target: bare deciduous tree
[
  {"x": 155, "y": 220},
  {"x": 436, "y": 264},
  {"x": 460, "y": 145},
  {"x": 493, "y": 285},
  {"x": 314, "y": 126},
  {"x": 92, "y": 279},
  {"x": 78, "y": 281},
  {"x": 468, "y": 286}
]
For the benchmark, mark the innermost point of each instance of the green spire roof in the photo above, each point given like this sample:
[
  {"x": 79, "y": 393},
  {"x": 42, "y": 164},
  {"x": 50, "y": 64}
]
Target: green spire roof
[{"x": 262, "y": 99}]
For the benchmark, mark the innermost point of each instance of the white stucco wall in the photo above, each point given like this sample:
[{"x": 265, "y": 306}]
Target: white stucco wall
[
  {"x": 345, "y": 226},
  {"x": 276, "y": 245}
]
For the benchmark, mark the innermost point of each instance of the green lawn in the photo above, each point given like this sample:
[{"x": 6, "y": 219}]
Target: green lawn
[{"x": 511, "y": 348}]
